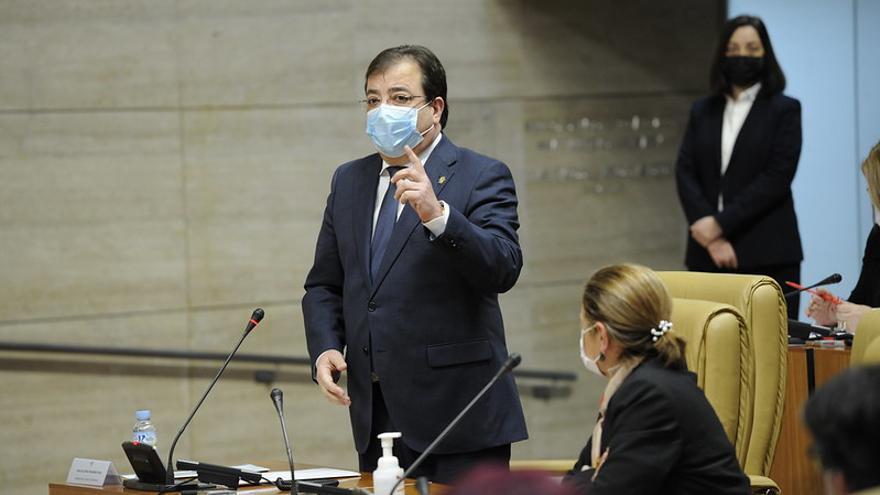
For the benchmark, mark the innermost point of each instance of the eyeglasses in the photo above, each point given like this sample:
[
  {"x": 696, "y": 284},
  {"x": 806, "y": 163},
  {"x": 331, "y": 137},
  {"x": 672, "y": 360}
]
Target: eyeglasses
[{"x": 398, "y": 100}]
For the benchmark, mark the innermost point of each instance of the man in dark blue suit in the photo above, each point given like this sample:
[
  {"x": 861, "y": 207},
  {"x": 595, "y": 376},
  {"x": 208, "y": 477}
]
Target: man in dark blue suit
[{"x": 416, "y": 244}]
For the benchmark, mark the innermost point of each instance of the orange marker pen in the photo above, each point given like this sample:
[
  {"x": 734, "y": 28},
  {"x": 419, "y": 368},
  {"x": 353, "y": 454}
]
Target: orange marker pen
[{"x": 826, "y": 296}]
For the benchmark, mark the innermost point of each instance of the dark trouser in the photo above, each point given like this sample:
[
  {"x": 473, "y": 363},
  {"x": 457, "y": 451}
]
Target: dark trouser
[
  {"x": 440, "y": 468},
  {"x": 781, "y": 274}
]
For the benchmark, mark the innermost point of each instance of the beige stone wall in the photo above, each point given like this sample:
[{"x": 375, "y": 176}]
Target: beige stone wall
[{"x": 163, "y": 166}]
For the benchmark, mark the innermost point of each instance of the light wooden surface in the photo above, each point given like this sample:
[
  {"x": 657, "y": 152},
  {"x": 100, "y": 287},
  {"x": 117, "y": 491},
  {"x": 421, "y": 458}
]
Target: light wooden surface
[
  {"x": 792, "y": 468},
  {"x": 365, "y": 481}
]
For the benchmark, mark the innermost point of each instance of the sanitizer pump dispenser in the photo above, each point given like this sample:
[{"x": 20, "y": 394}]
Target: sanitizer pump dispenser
[{"x": 388, "y": 470}]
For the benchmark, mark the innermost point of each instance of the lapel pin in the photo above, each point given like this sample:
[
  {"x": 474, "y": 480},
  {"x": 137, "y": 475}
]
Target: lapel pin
[{"x": 442, "y": 179}]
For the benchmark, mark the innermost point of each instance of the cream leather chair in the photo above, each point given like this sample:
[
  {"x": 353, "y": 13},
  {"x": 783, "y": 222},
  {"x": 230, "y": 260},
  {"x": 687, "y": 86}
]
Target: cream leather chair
[
  {"x": 719, "y": 352},
  {"x": 759, "y": 299},
  {"x": 866, "y": 343},
  {"x": 872, "y": 353}
]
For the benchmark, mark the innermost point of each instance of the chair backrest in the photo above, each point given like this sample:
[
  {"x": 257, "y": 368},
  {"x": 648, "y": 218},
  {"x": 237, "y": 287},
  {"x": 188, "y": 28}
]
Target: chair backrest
[
  {"x": 759, "y": 299},
  {"x": 872, "y": 353},
  {"x": 867, "y": 335},
  {"x": 719, "y": 352}
]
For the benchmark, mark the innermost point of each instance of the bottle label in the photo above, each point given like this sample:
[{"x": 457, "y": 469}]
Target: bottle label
[{"x": 147, "y": 437}]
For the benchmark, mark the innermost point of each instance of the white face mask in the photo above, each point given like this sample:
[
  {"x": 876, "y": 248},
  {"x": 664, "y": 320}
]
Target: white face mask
[{"x": 591, "y": 364}]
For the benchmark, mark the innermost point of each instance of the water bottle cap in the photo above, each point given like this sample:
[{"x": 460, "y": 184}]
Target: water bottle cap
[{"x": 142, "y": 415}]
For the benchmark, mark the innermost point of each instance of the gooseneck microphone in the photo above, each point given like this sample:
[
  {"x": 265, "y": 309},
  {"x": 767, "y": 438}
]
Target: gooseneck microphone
[
  {"x": 278, "y": 399},
  {"x": 294, "y": 486},
  {"x": 834, "y": 278},
  {"x": 422, "y": 485},
  {"x": 253, "y": 322},
  {"x": 512, "y": 362}
]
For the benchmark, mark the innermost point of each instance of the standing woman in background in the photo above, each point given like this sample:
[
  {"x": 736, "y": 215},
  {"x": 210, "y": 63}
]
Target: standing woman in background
[{"x": 737, "y": 160}]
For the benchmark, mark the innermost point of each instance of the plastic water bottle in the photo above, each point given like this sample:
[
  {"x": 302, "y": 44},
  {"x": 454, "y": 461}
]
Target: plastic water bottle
[{"x": 144, "y": 431}]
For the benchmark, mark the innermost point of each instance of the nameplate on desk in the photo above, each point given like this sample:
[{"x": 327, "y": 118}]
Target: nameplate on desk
[{"x": 92, "y": 472}]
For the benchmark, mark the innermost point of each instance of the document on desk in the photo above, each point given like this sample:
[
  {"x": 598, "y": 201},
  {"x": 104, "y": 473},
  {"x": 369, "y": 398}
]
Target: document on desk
[
  {"x": 178, "y": 475},
  {"x": 312, "y": 474}
]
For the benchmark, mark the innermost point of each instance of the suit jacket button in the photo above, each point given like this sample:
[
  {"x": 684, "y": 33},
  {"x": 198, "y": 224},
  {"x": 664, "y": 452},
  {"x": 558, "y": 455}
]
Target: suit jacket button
[
  {"x": 371, "y": 306},
  {"x": 366, "y": 350}
]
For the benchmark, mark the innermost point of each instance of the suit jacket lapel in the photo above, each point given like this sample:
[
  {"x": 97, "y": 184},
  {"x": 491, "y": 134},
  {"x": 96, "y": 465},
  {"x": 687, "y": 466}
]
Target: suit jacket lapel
[
  {"x": 363, "y": 207},
  {"x": 749, "y": 126},
  {"x": 439, "y": 165},
  {"x": 715, "y": 123}
]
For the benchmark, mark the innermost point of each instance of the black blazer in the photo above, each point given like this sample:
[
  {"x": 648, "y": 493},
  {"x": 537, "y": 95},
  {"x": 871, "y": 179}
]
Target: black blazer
[
  {"x": 867, "y": 290},
  {"x": 430, "y": 324},
  {"x": 663, "y": 437},
  {"x": 758, "y": 216}
]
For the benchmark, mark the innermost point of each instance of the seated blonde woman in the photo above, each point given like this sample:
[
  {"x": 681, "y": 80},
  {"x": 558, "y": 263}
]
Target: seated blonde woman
[
  {"x": 866, "y": 294},
  {"x": 656, "y": 432}
]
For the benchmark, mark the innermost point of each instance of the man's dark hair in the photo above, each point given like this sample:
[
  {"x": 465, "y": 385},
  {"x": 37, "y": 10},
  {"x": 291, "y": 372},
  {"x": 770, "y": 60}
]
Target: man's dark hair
[
  {"x": 772, "y": 78},
  {"x": 433, "y": 73},
  {"x": 844, "y": 418}
]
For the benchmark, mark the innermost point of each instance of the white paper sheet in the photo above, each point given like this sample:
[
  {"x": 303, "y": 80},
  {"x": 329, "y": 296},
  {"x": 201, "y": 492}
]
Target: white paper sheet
[
  {"x": 252, "y": 468},
  {"x": 312, "y": 474},
  {"x": 177, "y": 475}
]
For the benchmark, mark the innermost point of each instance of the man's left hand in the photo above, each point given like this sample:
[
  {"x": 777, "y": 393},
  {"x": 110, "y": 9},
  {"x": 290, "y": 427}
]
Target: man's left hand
[{"x": 414, "y": 187}]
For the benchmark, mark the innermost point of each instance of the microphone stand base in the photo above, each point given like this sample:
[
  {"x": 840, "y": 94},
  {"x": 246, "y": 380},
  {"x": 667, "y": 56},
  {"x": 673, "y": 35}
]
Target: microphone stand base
[
  {"x": 321, "y": 489},
  {"x": 163, "y": 488}
]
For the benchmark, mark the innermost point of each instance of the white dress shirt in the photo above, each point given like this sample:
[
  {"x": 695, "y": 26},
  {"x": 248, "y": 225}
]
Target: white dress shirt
[
  {"x": 735, "y": 113},
  {"x": 437, "y": 225}
]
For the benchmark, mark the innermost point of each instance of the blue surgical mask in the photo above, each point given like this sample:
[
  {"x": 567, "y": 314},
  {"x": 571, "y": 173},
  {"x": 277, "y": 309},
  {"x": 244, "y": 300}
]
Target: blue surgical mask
[{"x": 392, "y": 127}]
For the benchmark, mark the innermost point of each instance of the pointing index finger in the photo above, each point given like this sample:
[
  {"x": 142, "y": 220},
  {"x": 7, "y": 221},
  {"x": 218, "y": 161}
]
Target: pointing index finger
[{"x": 413, "y": 159}]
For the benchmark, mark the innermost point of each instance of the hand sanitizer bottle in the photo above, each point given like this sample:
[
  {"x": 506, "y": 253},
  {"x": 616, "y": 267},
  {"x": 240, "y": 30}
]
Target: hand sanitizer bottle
[{"x": 388, "y": 470}]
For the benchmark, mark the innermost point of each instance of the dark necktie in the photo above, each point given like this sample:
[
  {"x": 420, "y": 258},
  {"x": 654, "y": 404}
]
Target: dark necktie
[{"x": 384, "y": 226}]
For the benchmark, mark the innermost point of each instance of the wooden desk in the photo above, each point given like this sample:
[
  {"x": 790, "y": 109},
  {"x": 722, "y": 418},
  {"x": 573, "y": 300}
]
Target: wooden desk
[
  {"x": 365, "y": 481},
  {"x": 808, "y": 368}
]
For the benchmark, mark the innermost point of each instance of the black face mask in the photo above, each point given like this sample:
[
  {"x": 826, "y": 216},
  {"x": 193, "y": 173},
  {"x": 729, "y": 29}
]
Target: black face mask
[{"x": 743, "y": 71}]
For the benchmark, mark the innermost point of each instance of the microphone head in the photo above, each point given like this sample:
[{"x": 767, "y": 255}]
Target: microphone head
[
  {"x": 278, "y": 400},
  {"x": 513, "y": 361},
  {"x": 256, "y": 316},
  {"x": 834, "y": 279},
  {"x": 277, "y": 395}
]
